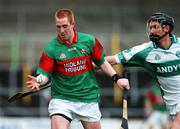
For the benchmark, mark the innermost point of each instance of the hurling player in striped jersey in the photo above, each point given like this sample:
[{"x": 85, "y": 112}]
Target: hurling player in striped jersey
[
  {"x": 161, "y": 58},
  {"x": 67, "y": 60}
]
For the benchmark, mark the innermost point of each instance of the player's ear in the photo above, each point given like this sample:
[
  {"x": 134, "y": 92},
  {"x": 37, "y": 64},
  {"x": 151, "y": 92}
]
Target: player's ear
[
  {"x": 74, "y": 25},
  {"x": 167, "y": 28}
]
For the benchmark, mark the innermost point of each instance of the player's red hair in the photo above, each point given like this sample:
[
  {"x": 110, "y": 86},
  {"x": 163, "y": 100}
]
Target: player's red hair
[{"x": 61, "y": 13}]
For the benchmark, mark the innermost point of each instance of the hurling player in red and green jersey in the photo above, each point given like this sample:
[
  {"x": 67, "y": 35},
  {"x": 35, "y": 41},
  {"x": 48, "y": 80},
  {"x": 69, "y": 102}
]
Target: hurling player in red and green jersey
[{"x": 67, "y": 60}]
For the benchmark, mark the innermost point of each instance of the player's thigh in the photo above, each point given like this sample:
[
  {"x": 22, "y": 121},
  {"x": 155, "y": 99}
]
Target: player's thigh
[
  {"x": 88, "y": 112},
  {"x": 59, "y": 122},
  {"x": 91, "y": 125}
]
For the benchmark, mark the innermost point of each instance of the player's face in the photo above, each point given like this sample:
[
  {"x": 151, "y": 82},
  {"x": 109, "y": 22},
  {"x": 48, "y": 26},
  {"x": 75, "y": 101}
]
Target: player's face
[
  {"x": 156, "y": 31},
  {"x": 64, "y": 28},
  {"x": 155, "y": 28}
]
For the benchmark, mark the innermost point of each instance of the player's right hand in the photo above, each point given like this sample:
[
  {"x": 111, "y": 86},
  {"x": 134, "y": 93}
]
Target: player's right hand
[
  {"x": 123, "y": 83},
  {"x": 32, "y": 83}
]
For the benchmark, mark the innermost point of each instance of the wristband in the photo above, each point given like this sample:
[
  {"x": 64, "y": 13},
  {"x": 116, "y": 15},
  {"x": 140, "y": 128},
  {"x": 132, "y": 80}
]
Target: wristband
[{"x": 115, "y": 78}]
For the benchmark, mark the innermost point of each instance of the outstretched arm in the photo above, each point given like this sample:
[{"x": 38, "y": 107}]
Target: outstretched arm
[
  {"x": 121, "y": 82},
  {"x": 36, "y": 82},
  {"x": 111, "y": 59}
]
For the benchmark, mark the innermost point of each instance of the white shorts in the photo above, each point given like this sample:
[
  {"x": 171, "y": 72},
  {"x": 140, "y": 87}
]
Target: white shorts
[
  {"x": 159, "y": 118},
  {"x": 173, "y": 109},
  {"x": 75, "y": 110}
]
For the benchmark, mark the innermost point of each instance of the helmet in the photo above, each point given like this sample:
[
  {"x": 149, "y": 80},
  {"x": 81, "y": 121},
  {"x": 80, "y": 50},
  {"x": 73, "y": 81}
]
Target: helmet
[{"x": 163, "y": 19}]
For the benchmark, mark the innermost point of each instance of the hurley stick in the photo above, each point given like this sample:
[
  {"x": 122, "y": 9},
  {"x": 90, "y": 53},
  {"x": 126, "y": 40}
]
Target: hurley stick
[{"x": 20, "y": 95}]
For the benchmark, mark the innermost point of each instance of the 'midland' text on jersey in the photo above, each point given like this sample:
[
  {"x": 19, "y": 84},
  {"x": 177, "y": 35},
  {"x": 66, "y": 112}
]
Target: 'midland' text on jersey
[{"x": 75, "y": 66}]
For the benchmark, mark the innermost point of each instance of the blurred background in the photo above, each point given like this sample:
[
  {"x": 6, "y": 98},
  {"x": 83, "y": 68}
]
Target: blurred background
[{"x": 27, "y": 25}]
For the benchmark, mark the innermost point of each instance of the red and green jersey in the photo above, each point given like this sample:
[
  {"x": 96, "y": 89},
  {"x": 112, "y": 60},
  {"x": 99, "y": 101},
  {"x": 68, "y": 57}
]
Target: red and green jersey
[{"x": 70, "y": 68}]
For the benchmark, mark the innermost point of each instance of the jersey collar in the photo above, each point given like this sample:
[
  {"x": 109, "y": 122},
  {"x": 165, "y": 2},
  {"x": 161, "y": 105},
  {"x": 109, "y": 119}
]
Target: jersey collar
[{"x": 173, "y": 40}]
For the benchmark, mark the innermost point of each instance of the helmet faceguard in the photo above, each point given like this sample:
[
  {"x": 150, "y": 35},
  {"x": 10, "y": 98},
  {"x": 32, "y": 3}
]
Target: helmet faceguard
[{"x": 163, "y": 19}]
